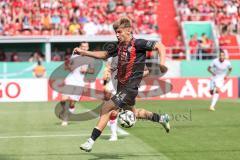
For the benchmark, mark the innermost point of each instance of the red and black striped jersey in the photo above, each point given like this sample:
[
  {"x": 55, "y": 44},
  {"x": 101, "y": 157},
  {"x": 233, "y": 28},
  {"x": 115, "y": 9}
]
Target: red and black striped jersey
[{"x": 131, "y": 61}]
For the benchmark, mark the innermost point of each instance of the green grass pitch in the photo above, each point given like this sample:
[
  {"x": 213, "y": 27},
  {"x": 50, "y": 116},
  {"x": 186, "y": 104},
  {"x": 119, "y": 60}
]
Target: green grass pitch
[{"x": 30, "y": 131}]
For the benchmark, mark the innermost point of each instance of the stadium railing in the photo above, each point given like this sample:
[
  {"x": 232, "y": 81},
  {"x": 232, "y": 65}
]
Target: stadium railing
[
  {"x": 46, "y": 42},
  {"x": 182, "y": 54}
]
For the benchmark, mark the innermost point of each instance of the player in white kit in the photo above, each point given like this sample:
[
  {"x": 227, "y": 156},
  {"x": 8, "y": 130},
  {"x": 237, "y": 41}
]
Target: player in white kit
[
  {"x": 220, "y": 68},
  {"x": 109, "y": 89},
  {"x": 75, "y": 78}
]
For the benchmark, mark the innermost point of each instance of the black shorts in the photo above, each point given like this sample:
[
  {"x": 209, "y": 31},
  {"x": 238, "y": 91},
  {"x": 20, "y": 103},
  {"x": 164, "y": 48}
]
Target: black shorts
[{"x": 125, "y": 97}]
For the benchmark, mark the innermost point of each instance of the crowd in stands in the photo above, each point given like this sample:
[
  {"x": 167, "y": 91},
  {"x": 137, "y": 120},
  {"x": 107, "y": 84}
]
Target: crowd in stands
[
  {"x": 74, "y": 17},
  {"x": 15, "y": 57},
  {"x": 224, "y": 13},
  {"x": 200, "y": 48}
]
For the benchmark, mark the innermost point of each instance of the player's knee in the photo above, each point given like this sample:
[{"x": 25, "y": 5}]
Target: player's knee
[
  {"x": 113, "y": 115},
  {"x": 107, "y": 96}
]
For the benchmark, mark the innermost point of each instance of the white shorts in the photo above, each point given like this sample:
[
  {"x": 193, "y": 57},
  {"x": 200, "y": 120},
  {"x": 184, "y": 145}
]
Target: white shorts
[
  {"x": 216, "y": 83},
  {"x": 74, "y": 93},
  {"x": 110, "y": 87}
]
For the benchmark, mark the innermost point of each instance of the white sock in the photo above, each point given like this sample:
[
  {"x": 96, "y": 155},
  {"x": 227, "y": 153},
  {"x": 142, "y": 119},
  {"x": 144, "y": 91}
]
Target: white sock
[
  {"x": 113, "y": 127},
  {"x": 214, "y": 100}
]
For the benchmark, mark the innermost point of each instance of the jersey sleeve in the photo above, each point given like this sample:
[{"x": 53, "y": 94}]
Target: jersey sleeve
[
  {"x": 146, "y": 45},
  {"x": 212, "y": 64}
]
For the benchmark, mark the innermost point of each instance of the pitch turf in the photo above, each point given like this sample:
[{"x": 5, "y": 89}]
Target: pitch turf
[{"x": 30, "y": 131}]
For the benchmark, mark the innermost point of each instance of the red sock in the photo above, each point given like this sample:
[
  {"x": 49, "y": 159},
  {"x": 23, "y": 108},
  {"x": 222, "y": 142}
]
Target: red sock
[
  {"x": 72, "y": 106},
  {"x": 113, "y": 116}
]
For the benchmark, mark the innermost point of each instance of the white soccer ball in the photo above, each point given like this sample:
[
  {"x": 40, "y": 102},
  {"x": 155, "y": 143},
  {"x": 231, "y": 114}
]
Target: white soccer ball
[{"x": 126, "y": 119}]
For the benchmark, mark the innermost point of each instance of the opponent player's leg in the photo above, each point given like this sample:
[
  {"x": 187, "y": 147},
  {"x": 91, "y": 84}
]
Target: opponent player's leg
[
  {"x": 163, "y": 119},
  {"x": 64, "y": 113},
  {"x": 215, "y": 97},
  {"x": 68, "y": 106},
  {"x": 72, "y": 105},
  {"x": 214, "y": 91},
  {"x": 105, "y": 114},
  {"x": 109, "y": 90},
  {"x": 113, "y": 126}
]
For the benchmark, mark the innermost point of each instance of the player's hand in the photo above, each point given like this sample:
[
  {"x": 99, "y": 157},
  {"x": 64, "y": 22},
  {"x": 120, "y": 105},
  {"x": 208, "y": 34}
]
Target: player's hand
[
  {"x": 213, "y": 74},
  {"x": 79, "y": 51},
  {"x": 163, "y": 68},
  {"x": 225, "y": 78}
]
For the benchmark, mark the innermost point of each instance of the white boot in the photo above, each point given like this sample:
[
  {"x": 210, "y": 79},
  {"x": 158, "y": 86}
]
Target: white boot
[{"x": 87, "y": 146}]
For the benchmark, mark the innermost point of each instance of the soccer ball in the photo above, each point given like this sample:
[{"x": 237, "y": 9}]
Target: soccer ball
[{"x": 126, "y": 119}]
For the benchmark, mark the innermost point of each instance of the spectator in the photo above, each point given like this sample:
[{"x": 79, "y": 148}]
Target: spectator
[
  {"x": 178, "y": 49},
  {"x": 39, "y": 71},
  {"x": 193, "y": 45},
  {"x": 14, "y": 57},
  {"x": 127, "y": 3},
  {"x": 1, "y": 26},
  {"x": 26, "y": 23},
  {"x": 55, "y": 19},
  {"x": 35, "y": 57},
  {"x": 74, "y": 27},
  {"x": 206, "y": 47},
  {"x": 46, "y": 22},
  {"x": 111, "y": 6},
  {"x": 91, "y": 27},
  {"x": 231, "y": 8},
  {"x": 56, "y": 55},
  {"x": 224, "y": 39},
  {"x": 2, "y": 56}
]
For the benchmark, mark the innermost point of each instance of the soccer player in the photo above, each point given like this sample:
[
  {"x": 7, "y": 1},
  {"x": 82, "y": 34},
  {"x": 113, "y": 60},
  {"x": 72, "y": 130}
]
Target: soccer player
[
  {"x": 220, "y": 68},
  {"x": 110, "y": 89},
  {"x": 75, "y": 78},
  {"x": 131, "y": 54}
]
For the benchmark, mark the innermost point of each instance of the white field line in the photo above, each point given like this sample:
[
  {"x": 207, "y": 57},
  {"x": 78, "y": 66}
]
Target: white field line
[{"x": 48, "y": 136}]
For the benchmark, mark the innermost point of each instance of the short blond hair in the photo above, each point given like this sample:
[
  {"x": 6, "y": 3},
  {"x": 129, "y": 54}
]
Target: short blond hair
[{"x": 123, "y": 22}]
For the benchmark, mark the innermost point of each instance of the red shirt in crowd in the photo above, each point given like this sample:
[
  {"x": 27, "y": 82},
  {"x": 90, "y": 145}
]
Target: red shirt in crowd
[{"x": 193, "y": 44}]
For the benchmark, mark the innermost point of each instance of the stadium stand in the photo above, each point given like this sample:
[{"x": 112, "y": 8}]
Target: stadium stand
[
  {"x": 224, "y": 14},
  {"x": 150, "y": 17},
  {"x": 74, "y": 17}
]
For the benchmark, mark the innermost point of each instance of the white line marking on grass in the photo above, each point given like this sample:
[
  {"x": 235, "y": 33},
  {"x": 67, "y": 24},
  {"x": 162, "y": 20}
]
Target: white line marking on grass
[{"x": 48, "y": 136}]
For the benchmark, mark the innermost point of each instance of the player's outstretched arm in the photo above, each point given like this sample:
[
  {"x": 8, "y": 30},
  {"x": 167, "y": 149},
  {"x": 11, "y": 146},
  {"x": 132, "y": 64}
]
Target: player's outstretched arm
[
  {"x": 210, "y": 70},
  {"x": 162, "y": 54},
  {"x": 94, "y": 54}
]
